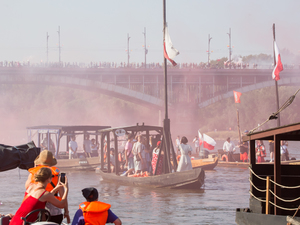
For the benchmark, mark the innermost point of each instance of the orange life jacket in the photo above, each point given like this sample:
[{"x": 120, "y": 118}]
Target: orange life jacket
[
  {"x": 95, "y": 213},
  {"x": 54, "y": 181}
]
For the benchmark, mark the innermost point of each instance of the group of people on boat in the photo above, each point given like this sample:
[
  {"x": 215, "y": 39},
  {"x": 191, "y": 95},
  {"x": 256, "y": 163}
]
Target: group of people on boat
[
  {"x": 145, "y": 159},
  {"x": 47, "y": 188},
  {"x": 261, "y": 153}
]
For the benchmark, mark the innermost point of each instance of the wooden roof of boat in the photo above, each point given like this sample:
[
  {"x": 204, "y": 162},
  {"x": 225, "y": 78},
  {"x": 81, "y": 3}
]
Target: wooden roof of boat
[
  {"x": 135, "y": 128},
  {"x": 68, "y": 128},
  {"x": 289, "y": 132}
]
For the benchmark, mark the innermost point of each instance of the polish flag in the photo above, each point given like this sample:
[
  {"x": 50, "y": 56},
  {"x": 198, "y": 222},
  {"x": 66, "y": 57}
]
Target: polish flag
[
  {"x": 278, "y": 67},
  {"x": 169, "y": 51},
  {"x": 237, "y": 96},
  {"x": 208, "y": 142},
  {"x": 200, "y": 138}
]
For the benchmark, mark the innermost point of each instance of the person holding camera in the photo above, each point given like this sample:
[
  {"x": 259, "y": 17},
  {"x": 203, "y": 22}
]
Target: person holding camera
[
  {"x": 46, "y": 159},
  {"x": 36, "y": 197}
]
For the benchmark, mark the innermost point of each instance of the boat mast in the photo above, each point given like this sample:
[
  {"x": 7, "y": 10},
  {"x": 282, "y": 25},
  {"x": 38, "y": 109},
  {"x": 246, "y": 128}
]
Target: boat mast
[{"x": 276, "y": 85}]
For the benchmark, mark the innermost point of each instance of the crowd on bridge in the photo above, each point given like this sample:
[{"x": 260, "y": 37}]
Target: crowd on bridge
[{"x": 134, "y": 65}]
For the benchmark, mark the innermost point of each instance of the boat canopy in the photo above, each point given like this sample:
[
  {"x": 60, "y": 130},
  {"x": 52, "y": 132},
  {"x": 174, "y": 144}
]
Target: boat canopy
[{"x": 58, "y": 131}]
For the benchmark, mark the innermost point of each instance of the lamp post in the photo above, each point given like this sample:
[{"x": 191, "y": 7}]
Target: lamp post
[
  {"x": 229, "y": 34},
  {"x": 47, "y": 47},
  {"x": 128, "y": 56},
  {"x": 59, "y": 49},
  {"x": 145, "y": 46},
  {"x": 208, "y": 53}
]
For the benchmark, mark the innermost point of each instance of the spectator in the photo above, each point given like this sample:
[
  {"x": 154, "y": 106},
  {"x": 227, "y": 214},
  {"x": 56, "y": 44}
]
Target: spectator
[
  {"x": 73, "y": 148},
  {"x": 197, "y": 146},
  {"x": 46, "y": 159},
  {"x": 185, "y": 162},
  {"x": 93, "y": 211},
  {"x": 260, "y": 151},
  {"x": 36, "y": 196},
  {"x": 87, "y": 146},
  {"x": 155, "y": 161},
  {"x": 129, "y": 156},
  {"x": 229, "y": 149}
]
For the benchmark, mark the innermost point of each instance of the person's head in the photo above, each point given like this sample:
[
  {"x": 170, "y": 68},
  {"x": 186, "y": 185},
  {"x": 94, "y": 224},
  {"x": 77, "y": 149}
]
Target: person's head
[
  {"x": 90, "y": 194},
  {"x": 93, "y": 140},
  {"x": 45, "y": 158},
  {"x": 130, "y": 137},
  {"x": 184, "y": 140},
  {"x": 138, "y": 138},
  {"x": 246, "y": 132},
  {"x": 228, "y": 139},
  {"x": 112, "y": 151},
  {"x": 87, "y": 137},
  {"x": 43, "y": 174},
  {"x": 73, "y": 138},
  {"x": 158, "y": 144},
  {"x": 178, "y": 137}
]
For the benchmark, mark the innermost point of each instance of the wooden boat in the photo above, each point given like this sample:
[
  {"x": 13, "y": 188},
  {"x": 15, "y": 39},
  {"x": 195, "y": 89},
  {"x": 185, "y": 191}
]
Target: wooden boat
[
  {"x": 205, "y": 164},
  {"x": 188, "y": 179},
  {"x": 191, "y": 179},
  {"x": 61, "y": 137},
  {"x": 272, "y": 202}
]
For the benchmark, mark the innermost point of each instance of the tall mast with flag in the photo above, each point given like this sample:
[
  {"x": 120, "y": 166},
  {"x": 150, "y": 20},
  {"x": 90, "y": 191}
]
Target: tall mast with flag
[
  {"x": 169, "y": 53},
  {"x": 277, "y": 68},
  {"x": 237, "y": 96}
]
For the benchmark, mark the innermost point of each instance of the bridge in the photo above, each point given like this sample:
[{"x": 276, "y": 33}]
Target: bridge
[{"x": 199, "y": 87}]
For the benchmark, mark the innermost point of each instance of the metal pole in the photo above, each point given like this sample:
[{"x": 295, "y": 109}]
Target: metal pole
[
  {"x": 145, "y": 46},
  {"x": 229, "y": 34},
  {"x": 276, "y": 85},
  {"x": 58, "y": 44},
  {"x": 47, "y": 47},
  {"x": 128, "y": 56},
  {"x": 208, "y": 53}
]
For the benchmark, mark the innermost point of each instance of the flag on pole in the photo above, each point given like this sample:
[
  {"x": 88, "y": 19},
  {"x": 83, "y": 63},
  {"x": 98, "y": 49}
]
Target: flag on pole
[
  {"x": 208, "y": 142},
  {"x": 237, "y": 96},
  {"x": 200, "y": 138},
  {"x": 169, "y": 51},
  {"x": 278, "y": 67}
]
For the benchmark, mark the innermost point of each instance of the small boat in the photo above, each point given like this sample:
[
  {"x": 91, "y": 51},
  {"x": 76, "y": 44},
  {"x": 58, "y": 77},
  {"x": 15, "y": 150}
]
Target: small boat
[
  {"x": 60, "y": 137},
  {"x": 205, "y": 164},
  {"x": 191, "y": 179},
  {"x": 274, "y": 187}
]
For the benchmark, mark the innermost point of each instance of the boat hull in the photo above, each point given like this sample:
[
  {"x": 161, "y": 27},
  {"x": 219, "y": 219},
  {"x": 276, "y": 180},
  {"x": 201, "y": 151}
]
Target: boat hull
[
  {"x": 191, "y": 179},
  {"x": 79, "y": 163},
  {"x": 205, "y": 164},
  {"x": 246, "y": 218}
]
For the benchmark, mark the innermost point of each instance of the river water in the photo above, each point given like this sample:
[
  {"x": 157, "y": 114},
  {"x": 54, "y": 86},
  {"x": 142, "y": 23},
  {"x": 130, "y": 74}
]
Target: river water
[{"x": 225, "y": 190}]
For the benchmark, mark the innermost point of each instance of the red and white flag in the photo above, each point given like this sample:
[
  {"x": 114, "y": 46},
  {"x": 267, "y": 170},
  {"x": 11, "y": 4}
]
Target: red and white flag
[
  {"x": 278, "y": 67},
  {"x": 200, "y": 138},
  {"x": 237, "y": 96},
  {"x": 208, "y": 142},
  {"x": 169, "y": 51}
]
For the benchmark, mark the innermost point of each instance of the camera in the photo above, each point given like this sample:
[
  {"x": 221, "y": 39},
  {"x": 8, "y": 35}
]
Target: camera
[{"x": 63, "y": 177}]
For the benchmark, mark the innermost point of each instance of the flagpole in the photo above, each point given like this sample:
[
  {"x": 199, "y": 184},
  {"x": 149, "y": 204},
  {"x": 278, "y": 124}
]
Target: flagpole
[
  {"x": 238, "y": 122},
  {"x": 276, "y": 85}
]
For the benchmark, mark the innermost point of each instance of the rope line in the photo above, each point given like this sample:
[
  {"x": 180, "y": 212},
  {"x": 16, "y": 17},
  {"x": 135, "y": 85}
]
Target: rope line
[
  {"x": 282, "y": 186},
  {"x": 292, "y": 200},
  {"x": 256, "y": 197},
  {"x": 256, "y": 187},
  {"x": 277, "y": 206},
  {"x": 256, "y": 174},
  {"x": 274, "y": 115}
]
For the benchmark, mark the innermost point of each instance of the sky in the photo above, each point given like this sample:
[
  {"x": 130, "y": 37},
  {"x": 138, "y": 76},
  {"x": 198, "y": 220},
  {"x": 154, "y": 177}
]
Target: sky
[{"x": 96, "y": 30}]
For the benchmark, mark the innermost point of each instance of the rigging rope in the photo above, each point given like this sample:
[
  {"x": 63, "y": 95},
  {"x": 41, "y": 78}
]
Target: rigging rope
[
  {"x": 274, "y": 115},
  {"x": 292, "y": 200},
  {"x": 256, "y": 187},
  {"x": 277, "y": 206},
  {"x": 282, "y": 186},
  {"x": 256, "y": 175},
  {"x": 256, "y": 197}
]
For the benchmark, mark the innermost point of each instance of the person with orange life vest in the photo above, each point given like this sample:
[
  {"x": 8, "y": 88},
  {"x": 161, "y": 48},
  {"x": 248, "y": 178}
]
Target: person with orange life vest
[
  {"x": 46, "y": 159},
  {"x": 93, "y": 211}
]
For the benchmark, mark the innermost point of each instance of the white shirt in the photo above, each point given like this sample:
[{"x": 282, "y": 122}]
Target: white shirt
[
  {"x": 228, "y": 146},
  {"x": 87, "y": 145},
  {"x": 196, "y": 141},
  {"x": 73, "y": 145},
  {"x": 177, "y": 142}
]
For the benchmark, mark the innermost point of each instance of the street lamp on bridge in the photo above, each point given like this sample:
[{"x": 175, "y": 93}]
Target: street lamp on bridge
[
  {"x": 128, "y": 56},
  {"x": 229, "y": 34},
  {"x": 208, "y": 52}
]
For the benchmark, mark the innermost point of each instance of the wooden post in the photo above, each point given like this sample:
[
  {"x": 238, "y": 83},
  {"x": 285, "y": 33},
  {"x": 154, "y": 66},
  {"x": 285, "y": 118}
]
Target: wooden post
[
  {"x": 117, "y": 163},
  {"x": 267, "y": 195},
  {"x": 108, "y": 152},
  {"x": 277, "y": 173}
]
